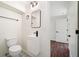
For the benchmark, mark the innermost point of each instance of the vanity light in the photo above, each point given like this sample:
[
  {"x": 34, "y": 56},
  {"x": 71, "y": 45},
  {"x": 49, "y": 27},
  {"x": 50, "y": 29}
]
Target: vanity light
[{"x": 34, "y": 3}]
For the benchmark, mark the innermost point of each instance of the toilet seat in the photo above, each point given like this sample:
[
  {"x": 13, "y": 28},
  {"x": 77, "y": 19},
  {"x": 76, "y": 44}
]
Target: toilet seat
[{"x": 15, "y": 48}]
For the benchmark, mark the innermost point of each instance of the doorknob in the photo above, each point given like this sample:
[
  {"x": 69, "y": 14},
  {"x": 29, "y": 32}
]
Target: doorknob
[{"x": 69, "y": 35}]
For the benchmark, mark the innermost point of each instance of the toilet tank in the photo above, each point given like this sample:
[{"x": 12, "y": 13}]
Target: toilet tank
[{"x": 11, "y": 41}]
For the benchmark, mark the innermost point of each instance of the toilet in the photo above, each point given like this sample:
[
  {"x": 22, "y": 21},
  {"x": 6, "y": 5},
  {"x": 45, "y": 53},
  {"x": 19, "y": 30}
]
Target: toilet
[{"x": 14, "y": 48}]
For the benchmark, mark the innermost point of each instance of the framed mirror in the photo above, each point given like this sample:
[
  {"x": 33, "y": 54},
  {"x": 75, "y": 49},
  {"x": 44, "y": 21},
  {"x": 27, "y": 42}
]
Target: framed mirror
[{"x": 36, "y": 19}]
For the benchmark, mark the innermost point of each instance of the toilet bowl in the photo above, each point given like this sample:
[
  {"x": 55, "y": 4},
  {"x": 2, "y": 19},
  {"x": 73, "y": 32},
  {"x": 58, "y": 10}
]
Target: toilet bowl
[{"x": 15, "y": 50}]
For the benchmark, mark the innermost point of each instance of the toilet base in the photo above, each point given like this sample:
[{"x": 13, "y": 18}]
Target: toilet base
[
  {"x": 7, "y": 55},
  {"x": 15, "y": 54}
]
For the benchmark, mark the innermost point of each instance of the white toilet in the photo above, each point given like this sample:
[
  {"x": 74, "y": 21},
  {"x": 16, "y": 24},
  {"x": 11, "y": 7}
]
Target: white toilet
[{"x": 14, "y": 48}]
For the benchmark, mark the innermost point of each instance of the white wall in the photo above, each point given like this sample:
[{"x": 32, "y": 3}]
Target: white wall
[
  {"x": 45, "y": 29},
  {"x": 9, "y": 28}
]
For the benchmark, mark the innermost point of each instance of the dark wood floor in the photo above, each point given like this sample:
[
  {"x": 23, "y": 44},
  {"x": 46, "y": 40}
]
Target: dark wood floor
[{"x": 59, "y": 49}]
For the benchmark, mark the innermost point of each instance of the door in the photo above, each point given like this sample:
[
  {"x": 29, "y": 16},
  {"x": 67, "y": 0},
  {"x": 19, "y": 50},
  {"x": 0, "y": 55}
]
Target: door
[{"x": 61, "y": 30}]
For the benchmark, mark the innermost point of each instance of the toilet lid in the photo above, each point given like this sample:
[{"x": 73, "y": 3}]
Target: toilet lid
[{"x": 15, "y": 48}]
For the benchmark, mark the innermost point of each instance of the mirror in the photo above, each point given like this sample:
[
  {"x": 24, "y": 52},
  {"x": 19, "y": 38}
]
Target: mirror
[{"x": 36, "y": 19}]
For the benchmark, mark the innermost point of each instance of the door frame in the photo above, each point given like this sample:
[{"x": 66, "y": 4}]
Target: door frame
[{"x": 78, "y": 29}]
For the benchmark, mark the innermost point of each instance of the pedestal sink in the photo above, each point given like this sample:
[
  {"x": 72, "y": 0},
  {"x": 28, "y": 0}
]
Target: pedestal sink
[{"x": 33, "y": 45}]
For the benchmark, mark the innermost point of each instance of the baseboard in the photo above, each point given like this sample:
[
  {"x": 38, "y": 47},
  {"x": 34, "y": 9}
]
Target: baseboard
[{"x": 29, "y": 54}]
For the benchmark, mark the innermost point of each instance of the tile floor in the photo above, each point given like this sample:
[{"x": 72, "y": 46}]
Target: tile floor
[{"x": 21, "y": 55}]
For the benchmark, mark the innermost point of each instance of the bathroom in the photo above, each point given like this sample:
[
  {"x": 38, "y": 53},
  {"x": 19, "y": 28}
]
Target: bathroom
[{"x": 35, "y": 24}]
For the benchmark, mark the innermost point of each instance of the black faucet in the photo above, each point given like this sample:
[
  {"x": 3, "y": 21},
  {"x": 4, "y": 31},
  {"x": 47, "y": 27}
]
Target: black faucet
[{"x": 36, "y": 33}]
